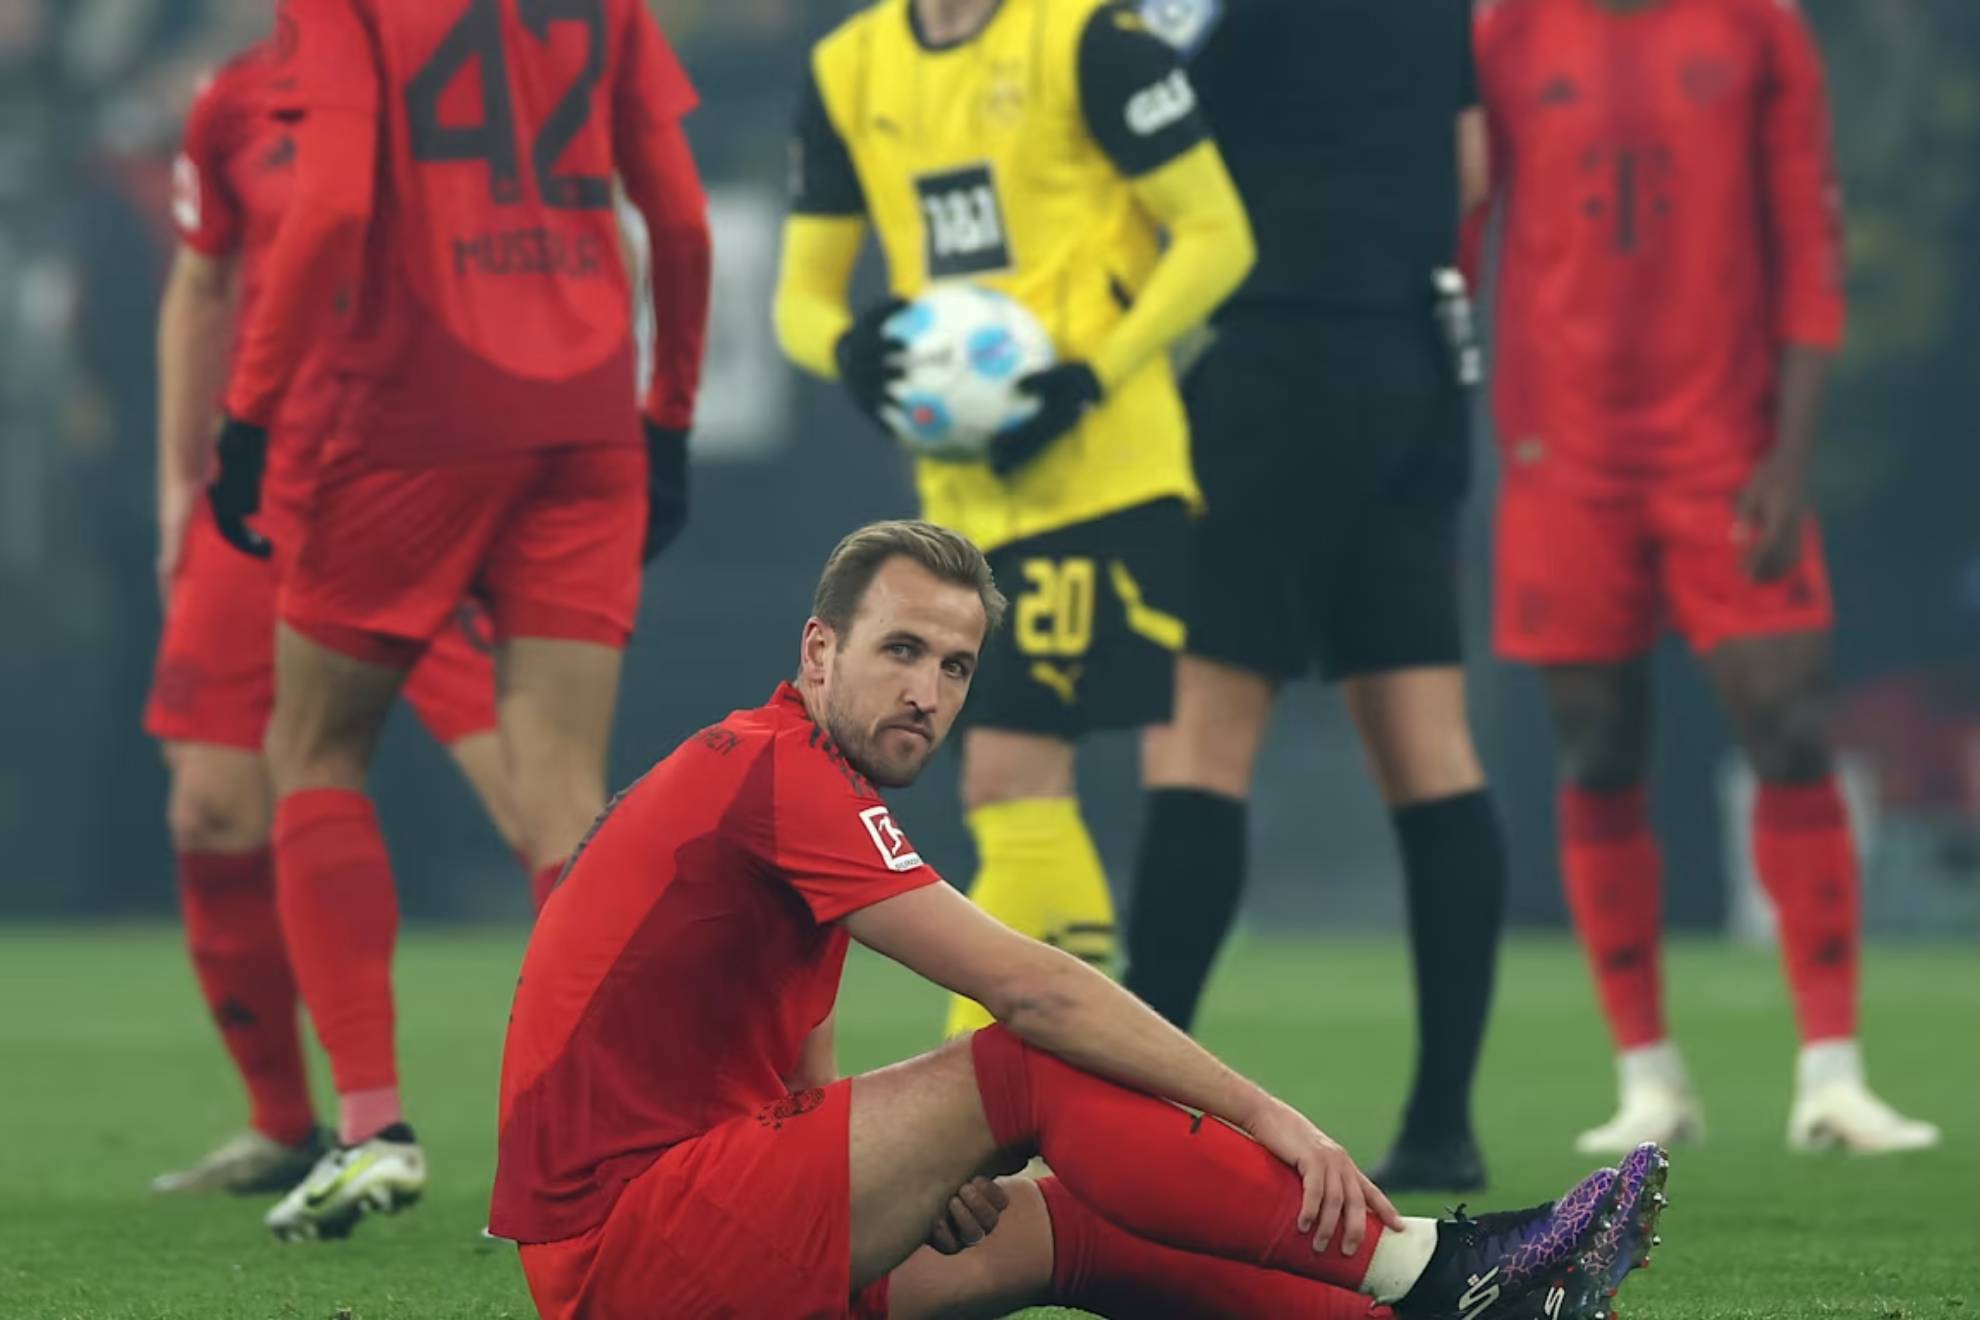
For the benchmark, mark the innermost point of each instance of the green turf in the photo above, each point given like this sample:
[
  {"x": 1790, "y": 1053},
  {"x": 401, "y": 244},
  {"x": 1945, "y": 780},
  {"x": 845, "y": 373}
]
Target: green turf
[{"x": 109, "y": 1073}]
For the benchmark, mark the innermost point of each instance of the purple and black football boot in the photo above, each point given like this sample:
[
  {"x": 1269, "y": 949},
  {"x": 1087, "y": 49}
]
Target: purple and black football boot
[
  {"x": 1585, "y": 1288},
  {"x": 1491, "y": 1267}
]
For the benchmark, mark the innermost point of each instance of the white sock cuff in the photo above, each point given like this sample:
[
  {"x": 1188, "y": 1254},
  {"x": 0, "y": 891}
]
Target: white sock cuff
[
  {"x": 1652, "y": 1065},
  {"x": 1827, "y": 1062},
  {"x": 1399, "y": 1260}
]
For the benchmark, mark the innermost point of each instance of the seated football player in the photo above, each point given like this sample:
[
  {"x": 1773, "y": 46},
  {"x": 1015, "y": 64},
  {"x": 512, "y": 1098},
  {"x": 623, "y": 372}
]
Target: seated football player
[{"x": 675, "y": 1138}]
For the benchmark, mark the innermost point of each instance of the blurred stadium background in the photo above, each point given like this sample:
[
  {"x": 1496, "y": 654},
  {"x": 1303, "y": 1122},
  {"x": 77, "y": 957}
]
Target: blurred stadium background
[
  {"x": 91, "y": 98},
  {"x": 108, "y": 1072}
]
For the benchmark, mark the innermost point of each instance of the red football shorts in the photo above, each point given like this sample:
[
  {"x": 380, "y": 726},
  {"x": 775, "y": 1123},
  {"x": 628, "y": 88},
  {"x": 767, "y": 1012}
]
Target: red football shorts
[
  {"x": 214, "y": 680},
  {"x": 752, "y": 1218},
  {"x": 1593, "y": 579},
  {"x": 549, "y": 540}
]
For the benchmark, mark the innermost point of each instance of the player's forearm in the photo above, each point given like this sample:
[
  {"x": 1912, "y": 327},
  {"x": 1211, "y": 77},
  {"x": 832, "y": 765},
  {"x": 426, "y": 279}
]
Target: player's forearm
[
  {"x": 1066, "y": 1008},
  {"x": 811, "y": 311},
  {"x": 1211, "y": 250},
  {"x": 1803, "y": 373},
  {"x": 193, "y": 323},
  {"x": 316, "y": 252}
]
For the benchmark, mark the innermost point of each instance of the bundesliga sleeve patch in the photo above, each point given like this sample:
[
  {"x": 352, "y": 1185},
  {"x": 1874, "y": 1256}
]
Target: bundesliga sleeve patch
[
  {"x": 1184, "y": 24},
  {"x": 895, "y": 851}
]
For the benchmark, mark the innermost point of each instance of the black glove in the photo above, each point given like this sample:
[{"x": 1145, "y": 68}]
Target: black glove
[
  {"x": 870, "y": 359},
  {"x": 1064, "y": 393},
  {"x": 666, "y": 487},
  {"x": 235, "y": 491}
]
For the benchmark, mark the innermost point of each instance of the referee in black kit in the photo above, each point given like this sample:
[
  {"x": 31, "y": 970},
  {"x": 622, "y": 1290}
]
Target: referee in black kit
[{"x": 1329, "y": 429}]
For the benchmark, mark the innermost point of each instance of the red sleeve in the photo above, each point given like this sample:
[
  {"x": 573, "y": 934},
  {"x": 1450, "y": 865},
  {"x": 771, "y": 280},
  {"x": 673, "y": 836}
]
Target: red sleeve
[
  {"x": 649, "y": 97},
  {"x": 323, "y": 59},
  {"x": 835, "y": 841},
  {"x": 324, "y": 65},
  {"x": 206, "y": 216},
  {"x": 1804, "y": 200}
]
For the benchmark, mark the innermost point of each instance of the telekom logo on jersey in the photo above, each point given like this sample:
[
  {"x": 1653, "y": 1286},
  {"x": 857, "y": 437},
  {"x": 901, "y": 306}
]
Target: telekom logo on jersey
[{"x": 895, "y": 850}]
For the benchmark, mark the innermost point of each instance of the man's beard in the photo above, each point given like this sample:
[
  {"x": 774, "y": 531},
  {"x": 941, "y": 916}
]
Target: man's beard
[{"x": 862, "y": 752}]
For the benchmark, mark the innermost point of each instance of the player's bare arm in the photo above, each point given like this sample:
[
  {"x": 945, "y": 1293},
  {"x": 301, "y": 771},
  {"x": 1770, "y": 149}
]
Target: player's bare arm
[
  {"x": 1804, "y": 239},
  {"x": 1773, "y": 501},
  {"x": 193, "y": 323},
  {"x": 1060, "y": 1004}
]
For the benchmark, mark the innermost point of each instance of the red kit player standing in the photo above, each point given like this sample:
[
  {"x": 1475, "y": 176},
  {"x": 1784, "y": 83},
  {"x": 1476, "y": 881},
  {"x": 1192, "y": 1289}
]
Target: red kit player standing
[
  {"x": 453, "y": 205},
  {"x": 1670, "y": 294},
  {"x": 676, "y": 1140},
  {"x": 215, "y": 681}
]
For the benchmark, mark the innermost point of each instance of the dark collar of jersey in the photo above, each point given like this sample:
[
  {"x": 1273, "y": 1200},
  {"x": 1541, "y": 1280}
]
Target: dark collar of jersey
[{"x": 921, "y": 37}]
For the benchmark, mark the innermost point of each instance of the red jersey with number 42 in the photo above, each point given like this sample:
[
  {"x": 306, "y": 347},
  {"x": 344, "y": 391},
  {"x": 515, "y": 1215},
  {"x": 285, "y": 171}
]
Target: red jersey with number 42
[
  {"x": 1671, "y": 221},
  {"x": 690, "y": 949},
  {"x": 230, "y": 183},
  {"x": 493, "y": 311}
]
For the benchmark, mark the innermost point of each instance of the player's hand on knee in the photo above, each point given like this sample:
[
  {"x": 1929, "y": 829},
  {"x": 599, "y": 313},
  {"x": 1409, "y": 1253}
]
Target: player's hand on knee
[
  {"x": 666, "y": 487},
  {"x": 1335, "y": 1193},
  {"x": 970, "y": 1216},
  {"x": 870, "y": 359},
  {"x": 1064, "y": 393},
  {"x": 235, "y": 491}
]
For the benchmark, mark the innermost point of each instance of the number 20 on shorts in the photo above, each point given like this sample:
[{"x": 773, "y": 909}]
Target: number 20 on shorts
[{"x": 1055, "y": 613}]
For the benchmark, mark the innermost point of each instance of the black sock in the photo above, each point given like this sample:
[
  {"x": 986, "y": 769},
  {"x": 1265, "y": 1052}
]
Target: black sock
[
  {"x": 1454, "y": 866},
  {"x": 1187, "y": 881}
]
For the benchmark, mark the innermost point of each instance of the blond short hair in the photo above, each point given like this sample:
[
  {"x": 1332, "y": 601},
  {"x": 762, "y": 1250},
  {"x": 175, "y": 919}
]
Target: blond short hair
[{"x": 950, "y": 556}]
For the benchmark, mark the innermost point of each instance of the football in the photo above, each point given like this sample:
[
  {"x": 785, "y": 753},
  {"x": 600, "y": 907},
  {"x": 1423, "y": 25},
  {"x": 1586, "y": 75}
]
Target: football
[{"x": 966, "y": 349}]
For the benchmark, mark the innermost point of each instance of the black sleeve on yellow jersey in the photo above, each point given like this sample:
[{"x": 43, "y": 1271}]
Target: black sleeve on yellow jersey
[
  {"x": 1138, "y": 102},
  {"x": 823, "y": 180}
]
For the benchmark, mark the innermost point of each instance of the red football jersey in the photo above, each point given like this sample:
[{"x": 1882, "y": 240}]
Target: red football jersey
[
  {"x": 230, "y": 184},
  {"x": 692, "y": 946},
  {"x": 491, "y": 312},
  {"x": 1671, "y": 220}
]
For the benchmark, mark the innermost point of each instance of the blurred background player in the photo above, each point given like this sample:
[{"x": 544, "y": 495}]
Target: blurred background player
[
  {"x": 1670, "y": 294},
  {"x": 933, "y": 120},
  {"x": 488, "y": 439},
  {"x": 1330, "y": 430},
  {"x": 215, "y": 679},
  {"x": 680, "y": 993}
]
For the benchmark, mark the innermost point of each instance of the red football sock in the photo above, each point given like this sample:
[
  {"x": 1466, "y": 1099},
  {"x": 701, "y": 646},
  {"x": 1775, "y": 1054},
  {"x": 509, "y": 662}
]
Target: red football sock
[
  {"x": 1807, "y": 861},
  {"x": 340, "y": 916},
  {"x": 1613, "y": 875},
  {"x": 1156, "y": 1170},
  {"x": 542, "y": 881},
  {"x": 236, "y": 944},
  {"x": 1098, "y": 1267}
]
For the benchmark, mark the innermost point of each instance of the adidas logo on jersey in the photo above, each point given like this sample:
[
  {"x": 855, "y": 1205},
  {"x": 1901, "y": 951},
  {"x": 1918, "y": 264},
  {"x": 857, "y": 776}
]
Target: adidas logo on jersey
[{"x": 1155, "y": 107}]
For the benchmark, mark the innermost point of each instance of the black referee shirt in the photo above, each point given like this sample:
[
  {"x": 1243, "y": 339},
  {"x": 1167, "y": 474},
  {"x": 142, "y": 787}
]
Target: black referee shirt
[{"x": 1337, "y": 119}]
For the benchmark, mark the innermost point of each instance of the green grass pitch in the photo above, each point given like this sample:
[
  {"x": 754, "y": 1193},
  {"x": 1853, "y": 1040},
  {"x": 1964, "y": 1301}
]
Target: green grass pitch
[{"x": 109, "y": 1073}]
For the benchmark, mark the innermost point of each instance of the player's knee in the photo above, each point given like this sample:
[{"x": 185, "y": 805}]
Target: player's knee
[
  {"x": 1602, "y": 745},
  {"x": 994, "y": 774},
  {"x": 1176, "y": 756},
  {"x": 215, "y": 817},
  {"x": 1786, "y": 737}
]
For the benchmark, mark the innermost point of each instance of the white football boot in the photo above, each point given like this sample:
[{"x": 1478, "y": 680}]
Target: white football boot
[
  {"x": 1657, "y": 1105},
  {"x": 385, "y": 1173},
  {"x": 245, "y": 1165},
  {"x": 1835, "y": 1109}
]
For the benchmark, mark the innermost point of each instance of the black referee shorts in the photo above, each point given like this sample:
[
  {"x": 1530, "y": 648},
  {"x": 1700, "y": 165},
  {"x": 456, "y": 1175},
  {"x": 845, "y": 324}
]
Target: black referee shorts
[{"x": 1332, "y": 448}]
